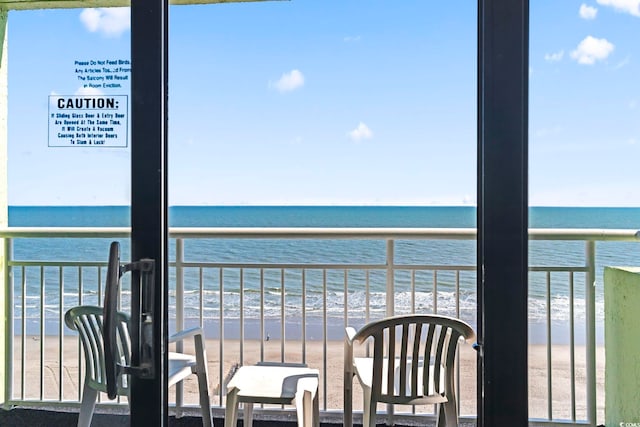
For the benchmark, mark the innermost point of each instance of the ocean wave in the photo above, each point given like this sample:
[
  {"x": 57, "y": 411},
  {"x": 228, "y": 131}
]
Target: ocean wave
[{"x": 334, "y": 305}]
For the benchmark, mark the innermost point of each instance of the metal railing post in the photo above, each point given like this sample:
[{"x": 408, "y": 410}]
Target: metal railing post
[
  {"x": 179, "y": 316},
  {"x": 9, "y": 330},
  {"x": 390, "y": 302},
  {"x": 390, "y": 278},
  {"x": 590, "y": 313}
]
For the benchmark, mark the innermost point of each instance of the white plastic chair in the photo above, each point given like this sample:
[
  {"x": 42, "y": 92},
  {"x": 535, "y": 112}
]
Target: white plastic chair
[
  {"x": 87, "y": 320},
  {"x": 396, "y": 374}
]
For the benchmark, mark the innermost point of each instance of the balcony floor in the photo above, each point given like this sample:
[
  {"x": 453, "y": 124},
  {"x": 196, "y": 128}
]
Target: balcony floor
[{"x": 29, "y": 417}]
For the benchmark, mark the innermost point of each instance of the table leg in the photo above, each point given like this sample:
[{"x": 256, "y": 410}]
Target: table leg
[
  {"x": 247, "y": 414},
  {"x": 231, "y": 411}
]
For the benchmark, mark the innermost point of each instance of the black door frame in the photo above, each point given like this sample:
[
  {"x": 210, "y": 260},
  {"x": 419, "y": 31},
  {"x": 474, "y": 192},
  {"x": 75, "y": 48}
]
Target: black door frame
[
  {"x": 503, "y": 29},
  {"x": 502, "y": 174},
  {"x": 149, "y": 227}
]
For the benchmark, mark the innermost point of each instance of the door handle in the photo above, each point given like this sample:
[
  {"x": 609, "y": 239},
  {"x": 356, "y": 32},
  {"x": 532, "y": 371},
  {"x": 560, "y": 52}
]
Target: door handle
[{"x": 142, "y": 341}]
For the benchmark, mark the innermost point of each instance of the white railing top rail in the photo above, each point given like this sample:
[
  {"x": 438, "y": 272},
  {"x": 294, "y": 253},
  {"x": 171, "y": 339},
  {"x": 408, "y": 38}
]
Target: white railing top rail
[{"x": 322, "y": 233}]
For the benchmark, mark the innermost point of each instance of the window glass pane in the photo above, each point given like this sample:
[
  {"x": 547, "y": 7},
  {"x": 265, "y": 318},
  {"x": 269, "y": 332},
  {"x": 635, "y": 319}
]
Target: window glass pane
[
  {"x": 584, "y": 143},
  {"x": 352, "y": 103},
  {"x": 322, "y": 114},
  {"x": 69, "y": 85},
  {"x": 68, "y": 165}
]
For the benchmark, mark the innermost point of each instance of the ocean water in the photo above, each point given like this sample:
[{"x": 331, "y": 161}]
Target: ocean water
[{"x": 318, "y": 251}]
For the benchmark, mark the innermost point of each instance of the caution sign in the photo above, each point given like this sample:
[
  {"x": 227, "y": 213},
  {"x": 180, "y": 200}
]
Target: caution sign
[{"x": 88, "y": 121}]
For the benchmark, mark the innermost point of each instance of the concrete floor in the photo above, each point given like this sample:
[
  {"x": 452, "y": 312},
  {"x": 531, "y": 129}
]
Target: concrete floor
[
  {"x": 29, "y": 417},
  {"x": 20, "y": 417}
]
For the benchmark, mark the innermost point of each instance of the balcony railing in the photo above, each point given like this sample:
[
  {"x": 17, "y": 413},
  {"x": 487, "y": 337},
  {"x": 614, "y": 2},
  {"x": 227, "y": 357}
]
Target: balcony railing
[{"x": 286, "y": 294}]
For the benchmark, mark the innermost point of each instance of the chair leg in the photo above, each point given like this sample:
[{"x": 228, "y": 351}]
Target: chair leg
[
  {"x": 231, "y": 411},
  {"x": 203, "y": 382},
  {"x": 306, "y": 400},
  {"x": 304, "y": 410},
  {"x": 440, "y": 417},
  {"x": 347, "y": 402},
  {"x": 369, "y": 409},
  {"x": 447, "y": 415},
  {"x": 450, "y": 413},
  {"x": 316, "y": 411},
  {"x": 205, "y": 403},
  {"x": 89, "y": 397}
]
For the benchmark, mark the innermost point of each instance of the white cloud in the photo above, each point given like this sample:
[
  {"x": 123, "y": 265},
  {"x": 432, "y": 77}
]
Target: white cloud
[
  {"x": 350, "y": 39},
  {"x": 110, "y": 21},
  {"x": 631, "y": 7},
  {"x": 554, "y": 57},
  {"x": 360, "y": 133},
  {"x": 289, "y": 81},
  {"x": 591, "y": 50},
  {"x": 633, "y": 104},
  {"x": 588, "y": 12}
]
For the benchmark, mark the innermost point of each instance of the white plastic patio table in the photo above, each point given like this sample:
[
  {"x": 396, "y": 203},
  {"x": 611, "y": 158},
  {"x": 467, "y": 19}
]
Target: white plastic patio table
[{"x": 273, "y": 384}]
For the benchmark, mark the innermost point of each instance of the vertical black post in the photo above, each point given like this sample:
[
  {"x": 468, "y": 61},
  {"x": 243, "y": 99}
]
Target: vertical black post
[
  {"x": 149, "y": 235},
  {"x": 503, "y": 71}
]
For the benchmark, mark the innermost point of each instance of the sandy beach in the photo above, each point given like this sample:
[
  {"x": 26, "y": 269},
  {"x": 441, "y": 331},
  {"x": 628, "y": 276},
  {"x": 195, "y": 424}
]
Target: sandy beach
[{"x": 63, "y": 383}]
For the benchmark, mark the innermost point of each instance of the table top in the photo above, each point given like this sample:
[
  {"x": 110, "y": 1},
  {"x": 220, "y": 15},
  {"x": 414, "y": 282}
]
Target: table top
[{"x": 273, "y": 383}]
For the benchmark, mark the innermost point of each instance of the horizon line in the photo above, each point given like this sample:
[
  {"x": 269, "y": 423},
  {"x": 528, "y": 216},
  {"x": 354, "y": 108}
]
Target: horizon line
[{"x": 316, "y": 205}]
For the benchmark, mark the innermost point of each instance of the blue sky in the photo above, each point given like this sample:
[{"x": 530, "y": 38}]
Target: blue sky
[{"x": 336, "y": 102}]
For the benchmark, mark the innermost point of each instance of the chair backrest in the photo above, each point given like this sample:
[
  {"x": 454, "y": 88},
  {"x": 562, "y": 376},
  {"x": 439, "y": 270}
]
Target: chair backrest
[
  {"x": 410, "y": 344},
  {"x": 88, "y": 321}
]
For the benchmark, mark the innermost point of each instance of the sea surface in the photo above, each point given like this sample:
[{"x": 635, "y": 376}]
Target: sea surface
[{"x": 319, "y": 301}]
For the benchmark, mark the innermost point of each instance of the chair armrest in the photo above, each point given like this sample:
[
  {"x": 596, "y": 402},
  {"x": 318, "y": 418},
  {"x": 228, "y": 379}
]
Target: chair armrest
[
  {"x": 351, "y": 333},
  {"x": 187, "y": 333},
  {"x": 348, "y": 374}
]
